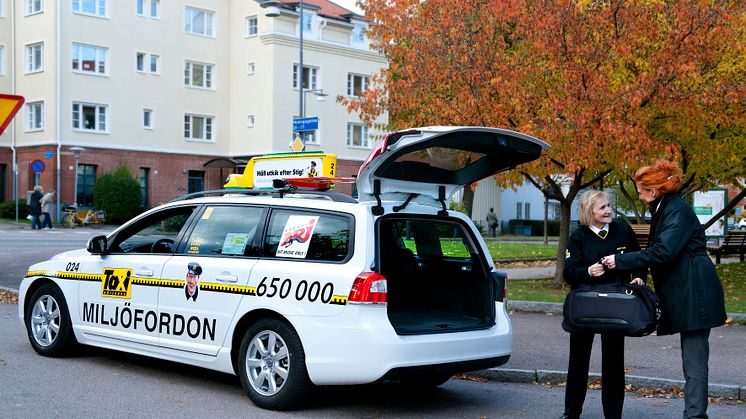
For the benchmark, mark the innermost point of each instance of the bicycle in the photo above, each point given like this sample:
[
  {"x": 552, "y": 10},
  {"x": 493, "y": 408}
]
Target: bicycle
[{"x": 86, "y": 216}]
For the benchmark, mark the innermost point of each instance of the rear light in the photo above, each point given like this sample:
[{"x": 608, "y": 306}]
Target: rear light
[
  {"x": 368, "y": 288},
  {"x": 380, "y": 148}
]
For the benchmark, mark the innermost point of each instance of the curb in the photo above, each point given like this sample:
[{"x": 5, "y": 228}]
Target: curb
[
  {"x": 556, "y": 308},
  {"x": 560, "y": 377}
]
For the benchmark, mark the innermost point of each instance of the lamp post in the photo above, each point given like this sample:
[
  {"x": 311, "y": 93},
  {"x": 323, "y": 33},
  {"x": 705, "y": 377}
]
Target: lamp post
[{"x": 77, "y": 151}]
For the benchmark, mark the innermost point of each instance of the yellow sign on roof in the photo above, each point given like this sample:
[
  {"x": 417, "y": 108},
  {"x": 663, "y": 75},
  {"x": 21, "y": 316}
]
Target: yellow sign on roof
[
  {"x": 9, "y": 106},
  {"x": 262, "y": 170}
]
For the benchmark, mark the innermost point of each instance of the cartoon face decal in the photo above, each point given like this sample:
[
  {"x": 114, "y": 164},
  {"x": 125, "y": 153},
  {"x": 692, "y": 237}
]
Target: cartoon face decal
[{"x": 191, "y": 288}]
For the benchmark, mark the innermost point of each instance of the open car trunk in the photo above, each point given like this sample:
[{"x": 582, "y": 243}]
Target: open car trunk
[{"x": 437, "y": 279}]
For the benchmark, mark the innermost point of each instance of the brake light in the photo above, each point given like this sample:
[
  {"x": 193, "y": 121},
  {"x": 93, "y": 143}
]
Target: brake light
[
  {"x": 368, "y": 288},
  {"x": 380, "y": 148}
]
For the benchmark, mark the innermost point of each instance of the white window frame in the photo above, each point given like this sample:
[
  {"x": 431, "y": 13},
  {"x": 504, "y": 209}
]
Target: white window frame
[
  {"x": 250, "y": 121},
  {"x": 33, "y": 7},
  {"x": 252, "y": 29},
  {"x": 140, "y": 7},
  {"x": 140, "y": 64},
  {"x": 358, "y": 34},
  {"x": 147, "y": 119},
  {"x": 364, "y": 137},
  {"x": 155, "y": 9},
  {"x": 35, "y": 116},
  {"x": 100, "y": 7},
  {"x": 208, "y": 24},
  {"x": 364, "y": 81},
  {"x": 208, "y": 75},
  {"x": 154, "y": 64},
  {"x": 2, "y": 8},
  {"x": 34, "y": 64},
  {"x": 101, "y": 123},
  {"x": 101, "y": 54},
  {"x": 313, "y": 77},
  {"x": 207, "y": 127},
  {"x": 252, "y": 69}
]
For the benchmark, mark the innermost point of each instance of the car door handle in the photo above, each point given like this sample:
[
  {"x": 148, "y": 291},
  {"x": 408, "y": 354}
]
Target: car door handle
[
  {"x": 144, "y": 273},
  {"x": 227, "y": 278}
]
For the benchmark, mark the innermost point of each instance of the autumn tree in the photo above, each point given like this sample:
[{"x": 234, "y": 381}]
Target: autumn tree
[{"x": 602, "y": 81}]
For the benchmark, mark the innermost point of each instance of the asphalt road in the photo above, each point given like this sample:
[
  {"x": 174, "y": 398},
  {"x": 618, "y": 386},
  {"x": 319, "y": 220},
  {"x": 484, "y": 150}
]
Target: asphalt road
[{"x": 108, "y": 384}]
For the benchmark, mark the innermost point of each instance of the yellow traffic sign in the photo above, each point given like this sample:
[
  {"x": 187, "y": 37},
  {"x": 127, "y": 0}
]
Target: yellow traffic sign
[
  {"x": 9, "y": 106},
  {"x": 297, "y": 145}
]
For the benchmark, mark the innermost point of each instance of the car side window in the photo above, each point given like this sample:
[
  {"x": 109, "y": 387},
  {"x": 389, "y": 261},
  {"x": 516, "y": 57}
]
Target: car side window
[
  {"x": 308, "y": 236},
  {"x": 225, "y": 230},
  {"x": 156, "y": 233}
]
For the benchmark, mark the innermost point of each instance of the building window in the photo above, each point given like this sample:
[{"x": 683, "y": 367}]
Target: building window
[
  {"x": 143, "y": 180},
  {"x": 140, "y": 62},
  {"x": 90, "y": 7},
  {"x": 2, "y": 8},
  {"x": 526, "y": 210},
  {"x": 250, "y": 121},
  {"x": 155, "y": 8},
  {"x": 198, "y": 75},
  {"x": 35, "y": 57},
  {"x": 357, "y": 135},
  {"x": 89, "y": 117},
  {"x": 34, "y": 6},
  {"x": 147, "y": 118},
  {"x": 356, "y": 84},
  {"x": 34, "y": 116},
  {"x": 307, "y": 19},
  {"x": 196, "y": 182},
  {"x": 140, "y": 7},
  {"x": 154, "y": 63},
  {"x": 198, "y": 22},
  {"x": 198, "y": 127},
  {"x": 89, "y": 59},
  {"x": 251, "y": 26},
  {"x": 252, "y": 69},
  {"x": 310, "y": 77},
  {"x": 358, "y": 34},
  {"x": 2, "y": 59},
  {"x": 86, "y": 180}
]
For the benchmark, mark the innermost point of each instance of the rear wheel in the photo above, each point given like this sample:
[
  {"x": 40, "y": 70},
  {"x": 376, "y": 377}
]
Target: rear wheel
[
  {"x": 272, "y": 366},
  {"x": 48, "y": 322},
  {"x": 68, "y": 220},
  {"x": 96, "y": 223}
]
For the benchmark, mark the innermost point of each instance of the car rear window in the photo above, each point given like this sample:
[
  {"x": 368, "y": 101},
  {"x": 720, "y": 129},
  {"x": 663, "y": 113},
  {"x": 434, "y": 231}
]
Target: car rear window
[{"x": 308, "y": 235}]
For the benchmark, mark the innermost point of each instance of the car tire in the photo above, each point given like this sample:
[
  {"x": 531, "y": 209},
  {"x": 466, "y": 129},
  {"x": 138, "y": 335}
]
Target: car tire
[
  {"x": 48, "y": 322},
  {"x": 272, "y": 366}
]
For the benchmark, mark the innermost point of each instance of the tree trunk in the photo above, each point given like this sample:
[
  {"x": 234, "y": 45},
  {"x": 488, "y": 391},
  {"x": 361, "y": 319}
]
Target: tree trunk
[
  {"x": 564, "y": 234},
  {"x": 468, "y": 199}
]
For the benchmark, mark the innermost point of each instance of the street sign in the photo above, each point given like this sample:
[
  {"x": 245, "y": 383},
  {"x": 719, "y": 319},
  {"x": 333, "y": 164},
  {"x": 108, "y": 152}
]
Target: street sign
[
  {"x": 48, "y": 154},
  {"x": 37, "y": 166},
  {"x": 9, "y": 106},
  {"x": 310, "y": 123}
]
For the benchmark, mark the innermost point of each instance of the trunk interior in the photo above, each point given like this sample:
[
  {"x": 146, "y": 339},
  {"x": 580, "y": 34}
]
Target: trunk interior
[{"x": 436, "y": 280}]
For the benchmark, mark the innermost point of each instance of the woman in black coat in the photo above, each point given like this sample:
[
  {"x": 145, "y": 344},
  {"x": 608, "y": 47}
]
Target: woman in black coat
[
  {"x": 34, "y": 207},
  {"x": 689, "y": 289},
  {"x": 597, "y": 236}
]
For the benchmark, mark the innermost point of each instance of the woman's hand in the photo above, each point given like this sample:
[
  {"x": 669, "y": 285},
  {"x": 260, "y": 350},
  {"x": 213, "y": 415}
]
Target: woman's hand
[
  {"x": 637, "y": 281},
  {"x": 609, "y": 261},
  {"x": 596, "y": 269}
]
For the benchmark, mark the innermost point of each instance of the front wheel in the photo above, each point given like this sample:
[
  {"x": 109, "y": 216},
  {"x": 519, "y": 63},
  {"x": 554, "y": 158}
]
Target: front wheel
[
  {"x": 272, "y": 366},
  {"x": 68, "y": 220},
  {"x": 48, "y": 322}
]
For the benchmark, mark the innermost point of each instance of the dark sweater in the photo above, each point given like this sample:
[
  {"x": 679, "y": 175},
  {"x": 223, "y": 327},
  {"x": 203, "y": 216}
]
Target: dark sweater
[{"x": 584, "y": 248}]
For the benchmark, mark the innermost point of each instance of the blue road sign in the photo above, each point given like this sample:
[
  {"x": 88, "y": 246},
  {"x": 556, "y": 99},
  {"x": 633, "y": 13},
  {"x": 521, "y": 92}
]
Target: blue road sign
[
  {"x": 48, "y": 154},
  {"x": 37, "y": 166},
  {"x": 310, "y": 123}
]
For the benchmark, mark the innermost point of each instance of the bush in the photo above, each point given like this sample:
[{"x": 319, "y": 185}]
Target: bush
[
  {"x": 8, "y": 209},
  {"x": 117, "y": 193},
  {"x": 537, "y": 226}
]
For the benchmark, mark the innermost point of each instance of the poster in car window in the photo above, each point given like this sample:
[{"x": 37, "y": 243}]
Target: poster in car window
[{"x": 296, "y": 236}]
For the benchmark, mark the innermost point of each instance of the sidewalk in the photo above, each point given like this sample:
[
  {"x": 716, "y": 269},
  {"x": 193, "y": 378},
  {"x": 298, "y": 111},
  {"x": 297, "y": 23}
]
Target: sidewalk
[{"x": 540, "y": 350}]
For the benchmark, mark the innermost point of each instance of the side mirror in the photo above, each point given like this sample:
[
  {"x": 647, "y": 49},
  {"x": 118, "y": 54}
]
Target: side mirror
[{"x": 97, "y": 245}]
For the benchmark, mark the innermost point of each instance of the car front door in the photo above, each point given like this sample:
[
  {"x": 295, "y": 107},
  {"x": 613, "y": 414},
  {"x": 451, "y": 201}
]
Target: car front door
[{"x": 208, "y": 278}]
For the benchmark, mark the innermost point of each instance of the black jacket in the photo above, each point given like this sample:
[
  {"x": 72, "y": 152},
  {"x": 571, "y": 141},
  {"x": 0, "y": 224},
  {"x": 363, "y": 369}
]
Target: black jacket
[
  {"x": 34, "y": 206},
  {"x": 685, "y": 279},
  {"x": 584, "y": 248}
]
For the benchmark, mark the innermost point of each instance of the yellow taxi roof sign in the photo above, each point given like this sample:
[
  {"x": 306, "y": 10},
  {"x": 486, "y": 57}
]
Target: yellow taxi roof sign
[
  {"x": 9, "y": 106},
  {"x": 260, "y": 171}
]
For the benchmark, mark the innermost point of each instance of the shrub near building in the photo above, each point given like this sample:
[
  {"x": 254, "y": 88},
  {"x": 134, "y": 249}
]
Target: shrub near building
[{"x": 117, "y": 193}]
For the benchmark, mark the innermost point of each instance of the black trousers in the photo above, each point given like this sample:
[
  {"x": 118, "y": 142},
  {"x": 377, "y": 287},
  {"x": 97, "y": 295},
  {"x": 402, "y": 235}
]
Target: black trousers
[
  {"x": 612, "y": 374},
  {"x": 695, "y": 354}
]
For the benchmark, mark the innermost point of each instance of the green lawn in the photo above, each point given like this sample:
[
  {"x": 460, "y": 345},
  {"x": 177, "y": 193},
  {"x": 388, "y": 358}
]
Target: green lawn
[{"x": 732, "y": 275}]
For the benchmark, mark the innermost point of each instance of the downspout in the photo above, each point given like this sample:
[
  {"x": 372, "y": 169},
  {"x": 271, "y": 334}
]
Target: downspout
[
  {"x": 58, "y": 112},
  {"x": 13, "y": 89}
]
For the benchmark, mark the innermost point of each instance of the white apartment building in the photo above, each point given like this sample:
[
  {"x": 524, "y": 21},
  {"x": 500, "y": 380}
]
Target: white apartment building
[{"x": 178, "y": 91}]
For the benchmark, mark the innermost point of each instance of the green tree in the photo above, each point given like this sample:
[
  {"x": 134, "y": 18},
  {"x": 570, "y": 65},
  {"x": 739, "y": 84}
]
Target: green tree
[{"x": 117, "y": 193}]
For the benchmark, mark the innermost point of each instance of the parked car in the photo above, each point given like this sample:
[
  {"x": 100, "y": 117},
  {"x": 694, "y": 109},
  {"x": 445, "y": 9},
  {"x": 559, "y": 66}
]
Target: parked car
[
  {"x": 741, "y": 225},
  {"x": 289, "y": 289}
]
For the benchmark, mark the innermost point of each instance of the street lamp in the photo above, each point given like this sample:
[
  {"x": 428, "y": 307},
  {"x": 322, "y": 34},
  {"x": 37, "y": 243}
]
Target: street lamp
[{"x": 78, "y": 151}]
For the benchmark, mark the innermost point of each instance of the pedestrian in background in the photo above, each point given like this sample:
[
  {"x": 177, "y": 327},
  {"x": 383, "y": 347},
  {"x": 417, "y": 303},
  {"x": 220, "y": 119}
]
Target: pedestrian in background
[
  {"x": 690, "y": 292},
  {"x": 492, "y": 222},
  {"x": 34, "y": 207},
  {"x": 46, "y": 210},
  {"x": 597, "y": 236}
]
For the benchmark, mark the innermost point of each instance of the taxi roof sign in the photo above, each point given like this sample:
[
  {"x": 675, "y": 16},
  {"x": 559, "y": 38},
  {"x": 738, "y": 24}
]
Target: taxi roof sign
[
  {"x": 261, "y": 171},
  {"x": 9, "y": 106}
]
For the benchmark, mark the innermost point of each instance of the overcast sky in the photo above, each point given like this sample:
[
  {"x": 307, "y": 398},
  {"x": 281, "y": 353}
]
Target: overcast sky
[{"x": 349, "y": 5}]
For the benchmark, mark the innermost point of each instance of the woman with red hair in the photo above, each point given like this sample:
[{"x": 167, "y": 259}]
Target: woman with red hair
[{"x": 689, "y": 289}]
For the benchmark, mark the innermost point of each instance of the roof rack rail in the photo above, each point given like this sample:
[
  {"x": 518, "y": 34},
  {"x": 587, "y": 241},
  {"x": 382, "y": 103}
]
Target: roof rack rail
[{"x": 334, "y": 196}]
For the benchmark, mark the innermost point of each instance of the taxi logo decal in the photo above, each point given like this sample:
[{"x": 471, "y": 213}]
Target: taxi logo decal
[{"x": 116, "y": 283}]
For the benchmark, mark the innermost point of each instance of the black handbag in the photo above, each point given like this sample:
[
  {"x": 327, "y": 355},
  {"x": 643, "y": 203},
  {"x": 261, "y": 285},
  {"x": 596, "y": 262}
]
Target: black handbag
[{"x": 630, "y": 310}]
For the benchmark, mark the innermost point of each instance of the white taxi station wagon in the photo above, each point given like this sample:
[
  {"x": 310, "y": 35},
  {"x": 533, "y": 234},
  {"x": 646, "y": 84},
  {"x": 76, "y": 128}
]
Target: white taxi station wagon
[{"x": 291, "y": 288}]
